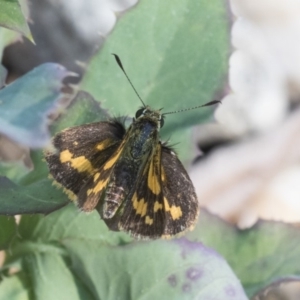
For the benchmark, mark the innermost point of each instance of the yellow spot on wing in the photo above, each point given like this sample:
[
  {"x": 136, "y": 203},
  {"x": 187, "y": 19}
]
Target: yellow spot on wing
[
  {"x": 163, "y": 174},
  {"x": 157, "y": 206},
  {"x": 103, "y": 145},
  {"x": 112, "y": 160},
  {"x": 139, "y": 206},
  {"x": 80, "y": 163},
  {"x": 102, "y": 183},
  {"x": 96, "y": 176},
  {"x": 153, "y": 183},
  {"x": 174, "y": 210},
  {"x": 148, "y": 220},
  {"x": 98, "y": 187}
]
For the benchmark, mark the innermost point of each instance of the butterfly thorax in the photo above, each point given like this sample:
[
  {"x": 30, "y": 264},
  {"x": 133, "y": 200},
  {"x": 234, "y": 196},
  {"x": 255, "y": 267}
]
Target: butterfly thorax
[{"x": 143, "y": 133}]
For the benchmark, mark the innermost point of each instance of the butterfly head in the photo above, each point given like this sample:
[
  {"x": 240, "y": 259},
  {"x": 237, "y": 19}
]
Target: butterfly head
[{"x": 148, "y": 113}]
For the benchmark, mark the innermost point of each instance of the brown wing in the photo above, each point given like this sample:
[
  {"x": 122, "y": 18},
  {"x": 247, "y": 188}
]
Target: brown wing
[
  {"x": 81, "y": 151},
  {"x": 181, "y": 205},
  {"x": 140, "y": 212},
  {"x": 163, "y": 202},
  {"x": 94, "y": 188}
]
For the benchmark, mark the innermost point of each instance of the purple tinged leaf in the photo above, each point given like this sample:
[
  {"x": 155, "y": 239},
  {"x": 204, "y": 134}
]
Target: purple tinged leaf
[
  {"x": 177, "y": 269},
  {"x": 26, "y": 103}
]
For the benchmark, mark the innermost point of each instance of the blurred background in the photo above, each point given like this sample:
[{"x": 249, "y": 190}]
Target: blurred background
[
  {"x": 256, "y": 174},
  {"x": 249, "y": 167}
]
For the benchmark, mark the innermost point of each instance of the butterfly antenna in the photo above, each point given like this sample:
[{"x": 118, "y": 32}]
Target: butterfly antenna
[
  {"x": 118, "y": 60},
  {"x": 206, "y": 104}
]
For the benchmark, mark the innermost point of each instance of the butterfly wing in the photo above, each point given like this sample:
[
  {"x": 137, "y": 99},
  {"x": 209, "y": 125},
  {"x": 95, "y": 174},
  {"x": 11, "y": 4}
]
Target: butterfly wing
[
  {"x": 81, "y": 151},
  {"x": 163, "y": 202},
  {"x": 139, "y": 213},
  {"x": 181, "y": 205},
  {"x": 94, "y": 189}
]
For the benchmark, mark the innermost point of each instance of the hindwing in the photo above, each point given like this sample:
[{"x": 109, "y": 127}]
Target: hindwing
[{"x": 162, "y": 203}]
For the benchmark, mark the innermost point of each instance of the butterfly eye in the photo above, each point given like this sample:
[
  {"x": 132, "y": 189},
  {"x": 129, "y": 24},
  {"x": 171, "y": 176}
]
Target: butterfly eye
[
  {"x": 139, "y": 112},
  {"x": 162, "y": 122}
]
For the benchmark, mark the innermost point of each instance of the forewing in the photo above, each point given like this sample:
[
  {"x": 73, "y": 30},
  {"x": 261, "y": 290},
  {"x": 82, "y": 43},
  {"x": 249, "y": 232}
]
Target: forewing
[
  {"x": 81, "y": 151},
  {"x": 181, "y": 205},
  {"x": 93, "y": 189}
]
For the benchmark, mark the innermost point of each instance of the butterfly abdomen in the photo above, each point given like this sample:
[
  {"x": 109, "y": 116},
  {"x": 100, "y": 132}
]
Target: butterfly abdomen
[{"x": 113, "y": 198}]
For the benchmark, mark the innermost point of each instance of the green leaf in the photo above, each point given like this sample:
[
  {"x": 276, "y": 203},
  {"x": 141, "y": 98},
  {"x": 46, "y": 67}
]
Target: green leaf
[
  {"x": 69, "y": 223},
  {"x": 6, "y": 38},
  {"x": 83, "y": 109},
  {"x": 13, "y": 170},
  {"x": 11, "y": 17},
  {"x": 7, "y": 231},
  {"x": 258, "y": 255},
  {"x": 175, "y": 53},
  {"x": 181, "y": 144},
  {"x": 16, "y": 287},
  {"x": 39, "y": 172},
  {"x": 77, "y": 250},
  {"x": 177, "y": 269},
  {"x": 39, "y": 197},
  {"x": 34, "y": 193},
  {"x": 51, "y": 278},
  {"x": 26, "y": 103}
]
